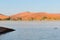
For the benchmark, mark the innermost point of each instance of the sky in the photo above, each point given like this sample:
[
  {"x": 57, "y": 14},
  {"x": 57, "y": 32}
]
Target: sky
[{"x": 10, "y": 7}]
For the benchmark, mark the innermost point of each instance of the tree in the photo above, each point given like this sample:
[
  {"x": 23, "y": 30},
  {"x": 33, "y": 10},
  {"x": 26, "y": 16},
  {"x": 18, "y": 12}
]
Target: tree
[
  {"x": 20, "y": 18},
  {"x": 0, "y": 19},
  {"x": 7, "y": 18},
  {"x": 32, "y": 18},
  {"x": 43, "y": 18},
  {"x": 54, "y": 18}
]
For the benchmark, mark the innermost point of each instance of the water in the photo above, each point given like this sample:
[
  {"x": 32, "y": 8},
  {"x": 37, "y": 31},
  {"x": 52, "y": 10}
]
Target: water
[{"x": 33, "y": 30}]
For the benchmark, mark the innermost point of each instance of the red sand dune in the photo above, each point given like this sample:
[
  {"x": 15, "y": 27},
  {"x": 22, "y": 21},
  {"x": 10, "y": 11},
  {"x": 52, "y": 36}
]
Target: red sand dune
[
  {"x": 32, "y": 16},
  {"x": 29, "y": 15},
  {"x": 3, "y": 16}
]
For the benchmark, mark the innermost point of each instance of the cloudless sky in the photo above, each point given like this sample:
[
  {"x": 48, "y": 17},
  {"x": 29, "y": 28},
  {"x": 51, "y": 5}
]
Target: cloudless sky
[{"x": 10, "y": 7}]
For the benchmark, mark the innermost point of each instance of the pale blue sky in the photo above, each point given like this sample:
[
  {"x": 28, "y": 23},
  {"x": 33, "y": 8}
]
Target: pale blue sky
[{"x": 10, "y": 7}]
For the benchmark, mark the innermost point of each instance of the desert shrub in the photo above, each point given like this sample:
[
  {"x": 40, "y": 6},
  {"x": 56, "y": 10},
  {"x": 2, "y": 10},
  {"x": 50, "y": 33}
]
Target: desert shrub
[
  {"x": 20, "y": 18},
  {"x": 7, "y": 18},
  {"x": 43, "y": 18}
]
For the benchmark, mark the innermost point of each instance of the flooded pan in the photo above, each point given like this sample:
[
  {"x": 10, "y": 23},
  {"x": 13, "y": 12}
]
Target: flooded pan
[{"x": 4, "y": 30}]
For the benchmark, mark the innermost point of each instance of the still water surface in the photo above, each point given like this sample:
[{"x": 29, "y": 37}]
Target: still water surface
[{"x": 33, "y": 30}]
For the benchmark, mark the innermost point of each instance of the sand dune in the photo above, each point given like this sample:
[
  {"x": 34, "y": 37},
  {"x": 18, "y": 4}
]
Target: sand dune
[{"x": 32, "y": 16}]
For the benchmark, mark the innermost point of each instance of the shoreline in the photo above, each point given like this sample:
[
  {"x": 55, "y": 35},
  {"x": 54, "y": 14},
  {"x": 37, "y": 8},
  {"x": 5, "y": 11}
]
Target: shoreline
[{"x": 28, "y": 20}]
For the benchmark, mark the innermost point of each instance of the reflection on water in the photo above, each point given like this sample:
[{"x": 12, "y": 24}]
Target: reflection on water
[
  {"x": 43, "y": 30},
  {"x": 55, "y": 28}
]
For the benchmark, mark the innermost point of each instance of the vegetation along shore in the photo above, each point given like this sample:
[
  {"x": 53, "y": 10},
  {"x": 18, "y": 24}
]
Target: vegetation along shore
[{"x": 30, "y": 16}]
